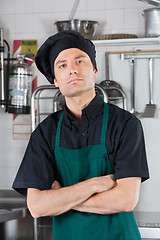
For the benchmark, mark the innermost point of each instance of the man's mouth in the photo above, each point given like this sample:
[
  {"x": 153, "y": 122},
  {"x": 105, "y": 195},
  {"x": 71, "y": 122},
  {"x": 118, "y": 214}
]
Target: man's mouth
[{"x": 74, "y": 80}]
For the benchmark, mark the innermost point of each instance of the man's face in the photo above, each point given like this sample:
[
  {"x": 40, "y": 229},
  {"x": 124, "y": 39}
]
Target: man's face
[{"x": 74, "y": 73}]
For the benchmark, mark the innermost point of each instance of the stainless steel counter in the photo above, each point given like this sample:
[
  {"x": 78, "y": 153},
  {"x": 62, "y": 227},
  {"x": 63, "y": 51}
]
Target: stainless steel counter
[
  {"x": 7, "y": 215},
  {"x": 149, "y": 224},
  {"x": 148, "y": 219},
  {"x": 12, "y": 205},
  {"x": 15, "y": 216},
  {"x": 15, "y": 219}
]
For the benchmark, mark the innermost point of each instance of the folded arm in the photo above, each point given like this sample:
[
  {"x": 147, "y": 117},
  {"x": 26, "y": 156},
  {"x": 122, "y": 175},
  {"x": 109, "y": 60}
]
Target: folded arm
[
  {"x": 123, "y": 198},
  {"x": 59, "y": 200}
]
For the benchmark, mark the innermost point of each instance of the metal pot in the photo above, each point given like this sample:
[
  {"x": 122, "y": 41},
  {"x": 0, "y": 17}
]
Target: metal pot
[
  {"x": 152, "y": 22},
  {"x": 85, "y": 27}
]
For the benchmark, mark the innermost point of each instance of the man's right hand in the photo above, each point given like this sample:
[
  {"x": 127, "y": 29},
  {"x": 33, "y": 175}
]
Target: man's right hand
[
  {"x": 104, "y": 183},
  {"x": 55, "y": 185}
]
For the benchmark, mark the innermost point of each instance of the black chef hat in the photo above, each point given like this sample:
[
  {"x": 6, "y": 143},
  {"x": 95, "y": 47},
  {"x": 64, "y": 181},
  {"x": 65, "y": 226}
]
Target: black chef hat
[{"x": 50, "y": 49}]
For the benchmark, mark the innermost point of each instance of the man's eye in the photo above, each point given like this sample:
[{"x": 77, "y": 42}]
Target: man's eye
[
  {"x": 62, "y": 66},
  {"x": 80, "y": 61}
]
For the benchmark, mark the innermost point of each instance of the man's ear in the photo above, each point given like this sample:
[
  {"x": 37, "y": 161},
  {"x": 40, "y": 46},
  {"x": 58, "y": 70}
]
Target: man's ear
[
  {"x": 55, "y": 82},
  {"x": 95, "y": 72}
]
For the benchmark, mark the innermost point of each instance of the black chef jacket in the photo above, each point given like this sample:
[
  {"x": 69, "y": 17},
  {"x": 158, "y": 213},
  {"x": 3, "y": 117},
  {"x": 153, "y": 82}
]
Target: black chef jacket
[{"x": 124, "y": 143}]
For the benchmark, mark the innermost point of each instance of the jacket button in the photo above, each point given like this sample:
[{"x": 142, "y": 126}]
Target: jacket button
[{"x": 83, "y": 134}]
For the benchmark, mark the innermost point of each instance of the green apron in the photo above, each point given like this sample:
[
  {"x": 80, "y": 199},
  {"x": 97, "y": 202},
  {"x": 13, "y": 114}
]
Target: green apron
[{"x": 76, "y": 165}]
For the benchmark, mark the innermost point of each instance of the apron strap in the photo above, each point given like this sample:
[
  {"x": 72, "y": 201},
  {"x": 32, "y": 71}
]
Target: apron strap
[
  {"x": 57, "y": 140},
  {"x": 104, "y": 123}
]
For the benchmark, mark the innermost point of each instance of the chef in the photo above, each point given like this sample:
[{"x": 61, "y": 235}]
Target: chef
[{"x": 83, "y": 164}]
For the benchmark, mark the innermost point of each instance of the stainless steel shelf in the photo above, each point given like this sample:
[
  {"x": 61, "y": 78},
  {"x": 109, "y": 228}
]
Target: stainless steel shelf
[{"x": 129, "y": 41}]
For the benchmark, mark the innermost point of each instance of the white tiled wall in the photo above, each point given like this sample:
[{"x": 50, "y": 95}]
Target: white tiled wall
[{"x": 34, "y": 19}]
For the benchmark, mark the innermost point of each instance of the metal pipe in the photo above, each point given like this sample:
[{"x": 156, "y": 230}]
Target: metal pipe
[
  {"x": 2, "y": 84},
  {"x": 35, "y": 237},
  {"x": 105, "y": 96},
  {"x": 7, "y": 75},
  {"x": 33, "y": 98},
  {"x": 151, "y": 81},
  {"x": 38, "y": 106},
  {"x": 123, "y": 96},
  {"x": 39, "y": 89},
  {"x": 132, "y": 87}
]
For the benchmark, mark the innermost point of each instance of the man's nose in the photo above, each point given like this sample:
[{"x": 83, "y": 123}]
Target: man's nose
[{"x": 73, "y": 69}]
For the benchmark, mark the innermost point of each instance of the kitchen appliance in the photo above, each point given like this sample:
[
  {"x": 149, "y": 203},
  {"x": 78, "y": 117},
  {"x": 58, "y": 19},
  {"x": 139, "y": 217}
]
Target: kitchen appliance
[
  {"x": 150, "y": 109},
  {"x": 152, "y": 22},
  {"x": 20, "y": 84}
]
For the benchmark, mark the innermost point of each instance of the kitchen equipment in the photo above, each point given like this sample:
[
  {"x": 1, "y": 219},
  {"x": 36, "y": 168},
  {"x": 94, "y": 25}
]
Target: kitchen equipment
[
  {"x": 133, "y": 111},
  {"x": 4, "y": 72},
  {"x": 20, "y": 83},
  {"x": 150, "y": 109},
  {"x": 131, "y": 56},
  {"x": 131, "y": 59},
  {"x": 59, "y": 100},
  {"x": 15, "y": 219},
  {"x": 152, "y": 22},
  {"x": 73, "y": 11},
  {"x": 50, "y": 92},
  {"x": 114, "y": 91},
  {"x": 86, "y": 27},
  {"x": 152, "y": 2}
]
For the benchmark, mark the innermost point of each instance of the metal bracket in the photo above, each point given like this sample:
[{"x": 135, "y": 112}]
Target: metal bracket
[{"x": 143, "y": 55}]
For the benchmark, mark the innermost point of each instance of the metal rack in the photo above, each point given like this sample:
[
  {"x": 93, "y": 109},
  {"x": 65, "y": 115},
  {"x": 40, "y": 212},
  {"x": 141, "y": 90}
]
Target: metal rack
[
  {"x": 131, "y": 57},
  {"x": 120, "y": 95},
  {"x": 55, "y": 96},
  {"x": 36, "y": 112}
]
